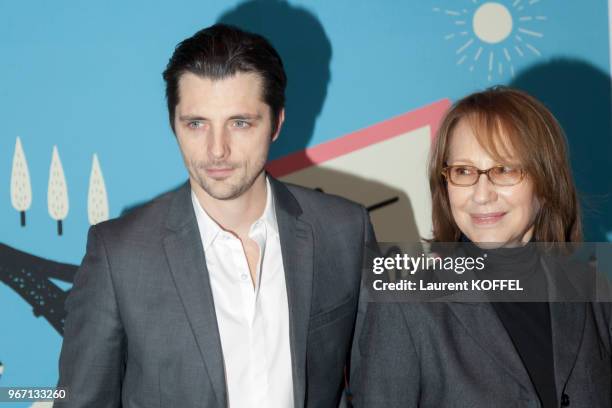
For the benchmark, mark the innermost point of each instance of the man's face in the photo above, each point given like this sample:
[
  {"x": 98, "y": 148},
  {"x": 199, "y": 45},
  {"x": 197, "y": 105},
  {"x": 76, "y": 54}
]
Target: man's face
[{"x": 224, "y": 131}]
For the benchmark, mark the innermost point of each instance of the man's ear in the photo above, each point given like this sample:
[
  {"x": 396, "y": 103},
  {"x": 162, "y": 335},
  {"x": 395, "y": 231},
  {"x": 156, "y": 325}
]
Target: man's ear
[{"x": 279, "y": 124}]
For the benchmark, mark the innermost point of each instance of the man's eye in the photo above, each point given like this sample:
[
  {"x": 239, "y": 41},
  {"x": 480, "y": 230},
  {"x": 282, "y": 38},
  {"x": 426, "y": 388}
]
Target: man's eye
[
  {"x": 195, "y": 124},
  {"x": 241, "y": 124}
]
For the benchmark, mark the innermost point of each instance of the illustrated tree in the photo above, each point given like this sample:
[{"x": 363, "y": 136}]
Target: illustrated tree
[
  {"x": 97, "y": 200},
  {"x": 21, "y": 188},
  {"x": 57, "y": 192}
]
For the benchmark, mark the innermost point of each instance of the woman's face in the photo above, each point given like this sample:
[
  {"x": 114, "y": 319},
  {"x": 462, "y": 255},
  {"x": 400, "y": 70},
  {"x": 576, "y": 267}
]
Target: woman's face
[{"x": 484, "y": 212}]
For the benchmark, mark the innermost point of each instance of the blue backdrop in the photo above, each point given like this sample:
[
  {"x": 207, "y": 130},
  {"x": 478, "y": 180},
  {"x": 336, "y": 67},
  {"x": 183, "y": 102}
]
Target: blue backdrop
[{"x": 86, "y": 77}]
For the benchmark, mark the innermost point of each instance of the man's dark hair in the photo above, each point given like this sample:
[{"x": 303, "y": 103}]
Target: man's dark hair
[{"x": 220, "y": 51}]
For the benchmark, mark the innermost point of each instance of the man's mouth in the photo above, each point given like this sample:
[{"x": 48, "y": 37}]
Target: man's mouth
[{"x": 218, "y": 173}]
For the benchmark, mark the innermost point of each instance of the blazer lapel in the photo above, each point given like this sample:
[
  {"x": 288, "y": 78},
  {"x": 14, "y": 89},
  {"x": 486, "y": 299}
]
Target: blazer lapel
[
  {"x": 567, "y": 323},
  {"x": 185, "y": 255},
  {"x": 482, "y": 323},
  {"x": 567, "y": 320},
  {"x": 297, "y": 250}
]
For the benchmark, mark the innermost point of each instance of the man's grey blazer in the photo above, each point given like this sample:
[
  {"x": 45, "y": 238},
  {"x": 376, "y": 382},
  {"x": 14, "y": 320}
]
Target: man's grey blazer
[
  {"x": 458, "y": 354},
  {"x": 141, "y": 329}
]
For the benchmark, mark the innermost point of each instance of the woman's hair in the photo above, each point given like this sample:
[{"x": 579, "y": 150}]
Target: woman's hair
[{"x": 511, "y": 123}]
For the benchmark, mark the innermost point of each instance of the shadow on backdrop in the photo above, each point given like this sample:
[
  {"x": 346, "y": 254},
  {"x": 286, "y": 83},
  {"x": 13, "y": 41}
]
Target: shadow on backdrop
[
  {"x": 301, "y": 40},
  {"x": 302, "y": 43},
  {"x": 579, "y": 95}
]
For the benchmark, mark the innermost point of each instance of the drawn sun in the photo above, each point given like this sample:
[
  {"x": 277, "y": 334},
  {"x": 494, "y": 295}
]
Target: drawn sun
[{"x": 500, "y": 31}]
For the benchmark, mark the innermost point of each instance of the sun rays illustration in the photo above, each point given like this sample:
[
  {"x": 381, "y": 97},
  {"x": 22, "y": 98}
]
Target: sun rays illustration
[{"x": 494, "y": 33}]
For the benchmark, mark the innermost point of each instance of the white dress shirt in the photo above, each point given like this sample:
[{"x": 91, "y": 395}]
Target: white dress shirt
[{"x": 253, "y": 317}]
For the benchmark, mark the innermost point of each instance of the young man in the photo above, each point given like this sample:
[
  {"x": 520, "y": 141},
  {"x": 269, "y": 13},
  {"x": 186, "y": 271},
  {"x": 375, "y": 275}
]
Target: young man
[{"x": 235, "y": 290}]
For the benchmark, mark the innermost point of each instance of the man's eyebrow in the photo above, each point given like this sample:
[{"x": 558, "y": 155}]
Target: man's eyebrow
[
  {"x": 245, "y": 116},
  {"x": 238, "y": 116},
  {"x": 186, "y": 118}
]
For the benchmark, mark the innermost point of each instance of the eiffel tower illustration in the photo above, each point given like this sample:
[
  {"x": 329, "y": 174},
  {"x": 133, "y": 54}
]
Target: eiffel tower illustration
[{"x": 30, "y": 276}]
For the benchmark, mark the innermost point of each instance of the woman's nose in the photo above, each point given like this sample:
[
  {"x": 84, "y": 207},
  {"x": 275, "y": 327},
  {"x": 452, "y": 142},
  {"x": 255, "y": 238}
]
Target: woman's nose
[{"x": 484, "y": 190}]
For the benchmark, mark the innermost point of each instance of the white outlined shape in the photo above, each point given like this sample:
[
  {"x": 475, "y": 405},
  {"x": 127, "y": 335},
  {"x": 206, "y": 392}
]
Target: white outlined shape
[
  {"x": 21, "y": 187},
  {"x": 57, "y": 192},
  {"x": 97, "y": 199}
]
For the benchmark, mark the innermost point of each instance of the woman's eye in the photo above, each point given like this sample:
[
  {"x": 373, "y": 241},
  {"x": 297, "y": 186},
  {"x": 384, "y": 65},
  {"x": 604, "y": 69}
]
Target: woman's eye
[
  {"x": 463, "y": 171},
  {"x": 506, "y": 169}
]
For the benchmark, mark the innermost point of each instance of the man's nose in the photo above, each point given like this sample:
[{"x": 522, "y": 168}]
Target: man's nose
[{"x": 218, "y": 144}]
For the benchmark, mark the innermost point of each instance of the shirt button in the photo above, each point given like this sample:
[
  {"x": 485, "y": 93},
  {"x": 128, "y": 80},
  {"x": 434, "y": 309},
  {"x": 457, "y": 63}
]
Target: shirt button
[
  {"x": 565, "y": 400},
  {"x": 244, "y": 276}
]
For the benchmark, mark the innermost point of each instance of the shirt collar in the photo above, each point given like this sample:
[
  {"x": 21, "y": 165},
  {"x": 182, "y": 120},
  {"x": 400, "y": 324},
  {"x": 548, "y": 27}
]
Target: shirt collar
[
  {"x": 269, "y": 213},
  {"x": 210, "y": 230}
]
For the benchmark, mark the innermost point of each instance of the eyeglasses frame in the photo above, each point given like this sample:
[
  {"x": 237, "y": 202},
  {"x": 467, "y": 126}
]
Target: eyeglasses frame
[{"x": 480, "y": 172}]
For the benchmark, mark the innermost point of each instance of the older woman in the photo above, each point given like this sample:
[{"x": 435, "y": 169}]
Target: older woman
[{"x": 499, "y": 175}]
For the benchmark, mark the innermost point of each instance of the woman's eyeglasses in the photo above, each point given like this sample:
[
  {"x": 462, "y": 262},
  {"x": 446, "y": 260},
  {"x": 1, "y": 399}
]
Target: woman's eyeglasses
[{"x": 465, "y": 176}]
